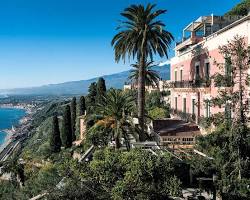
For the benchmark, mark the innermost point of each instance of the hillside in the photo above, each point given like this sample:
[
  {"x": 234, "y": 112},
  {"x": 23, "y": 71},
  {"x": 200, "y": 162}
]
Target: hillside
[{"x": 116, "y": 80}]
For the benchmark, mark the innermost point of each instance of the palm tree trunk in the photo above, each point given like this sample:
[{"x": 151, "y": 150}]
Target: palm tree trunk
[
  {"x": 141, "y": 87},
  {"x": 141, "y": 97},
  {"x": 117, "y": 142}
]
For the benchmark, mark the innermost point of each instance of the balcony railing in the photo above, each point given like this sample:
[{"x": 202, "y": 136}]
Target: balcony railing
[
  {"x": 184, "y": 115},
  {"x": 190, "y": 84},
  {"x": 202, "y": 121}
]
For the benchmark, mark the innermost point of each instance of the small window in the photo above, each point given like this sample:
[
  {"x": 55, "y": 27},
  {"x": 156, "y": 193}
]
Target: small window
[
  {"x": 207, "y": 71},
  {"x": 184, "y": 105},
  {"x": 197, "y": 72},
  {"x": 175, "y": 75},
  {"x": 181, "y": 74},
  {"x": 176, "y": 103},
  {"x": 208, "y": 106},
  {"x": 193, "y": 106}
]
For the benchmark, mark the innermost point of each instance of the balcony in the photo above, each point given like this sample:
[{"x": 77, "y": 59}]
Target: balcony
[
  {"x": 184, "y": 115},
  {"x": 190, "y": 84},
  {"x": 186, "y": 42},
  {"x": 204, "y": 122}
]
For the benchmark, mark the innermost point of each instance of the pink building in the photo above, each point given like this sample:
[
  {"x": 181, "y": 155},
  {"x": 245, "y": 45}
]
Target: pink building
[{"x": 194, "y": 63}]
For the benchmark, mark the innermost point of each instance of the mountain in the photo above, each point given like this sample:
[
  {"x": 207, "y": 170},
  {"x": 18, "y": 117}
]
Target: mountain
[{"x": 116, "y": 80}]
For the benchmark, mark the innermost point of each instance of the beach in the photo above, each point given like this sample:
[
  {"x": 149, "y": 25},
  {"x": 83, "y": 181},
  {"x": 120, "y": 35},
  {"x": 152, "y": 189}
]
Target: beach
[
  {"x": 16, "y": 127},
  {"x": 7, "y": 140}
]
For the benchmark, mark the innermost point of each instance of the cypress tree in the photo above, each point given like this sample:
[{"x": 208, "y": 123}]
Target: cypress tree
[
  {"x": 67, "y": 128},
  {"x": 55, "y": 139},
  {"x": 91, "y": 97},
  {"x": 82, "y": 106},
  {"x": 73, "y": 118},
  {"x": 100, "y": 89}
]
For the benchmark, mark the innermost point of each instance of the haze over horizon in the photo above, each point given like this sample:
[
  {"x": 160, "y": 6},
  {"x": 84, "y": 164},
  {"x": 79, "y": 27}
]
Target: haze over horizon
[{"x": 55, "y": 41}]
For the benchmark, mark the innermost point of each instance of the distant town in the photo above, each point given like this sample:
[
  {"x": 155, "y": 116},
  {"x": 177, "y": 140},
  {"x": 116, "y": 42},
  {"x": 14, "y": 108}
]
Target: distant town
[{"x": 178, "y": 130}]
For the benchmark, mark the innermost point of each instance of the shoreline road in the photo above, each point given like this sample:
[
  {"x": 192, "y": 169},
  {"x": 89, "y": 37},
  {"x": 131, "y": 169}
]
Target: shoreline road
[{"x": 8, "y": 150}]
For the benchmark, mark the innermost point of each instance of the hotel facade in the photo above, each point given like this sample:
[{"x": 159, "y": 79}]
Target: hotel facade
[{"x": 195, "y": 61}]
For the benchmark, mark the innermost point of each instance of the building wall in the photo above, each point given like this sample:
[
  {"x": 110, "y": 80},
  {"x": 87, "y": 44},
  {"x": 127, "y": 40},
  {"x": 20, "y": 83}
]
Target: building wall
[
  {"x": 82, "y": 128},
  {"x": 206, "y": 51}
]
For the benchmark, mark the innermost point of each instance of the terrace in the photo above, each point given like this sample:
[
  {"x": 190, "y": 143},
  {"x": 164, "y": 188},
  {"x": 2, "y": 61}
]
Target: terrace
[
  {"x": 204, "y": 26},
  {"x": 190, "y": 83}
]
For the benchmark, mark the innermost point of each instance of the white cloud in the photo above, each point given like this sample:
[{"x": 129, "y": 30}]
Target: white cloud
[{"x": 164, "y": 63}]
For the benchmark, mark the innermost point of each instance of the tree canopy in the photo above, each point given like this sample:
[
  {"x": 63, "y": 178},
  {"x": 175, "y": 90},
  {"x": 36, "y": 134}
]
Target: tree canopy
[
  {"x": 240, "y": 9},
  {"x": 67, "y": 128},
  {"x": 55, "y": 138}
]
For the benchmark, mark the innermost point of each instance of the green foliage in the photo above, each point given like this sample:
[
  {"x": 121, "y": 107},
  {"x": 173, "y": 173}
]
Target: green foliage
[
  {"x": 130, "y": 39},
  {"x": 155, "y": 105},
  {"x": 165, "y": 93},
  {"x": 74, "y": 188},
  {"x": 73, "y": 118},
  {"x": 100, "y": 89},
  {"x": 99, "y": 135},
  {"x": 38, "y": 145},
  {"x": 55, "y": 138},
  {"x": 46, "y": 179},
  {"x": 240, "y": 9},
  {"x": 137, "y": 174},
  {"x": 10, "y": 191},
  {"x": 91, "y": 98},
  {"x": 154, "y": 99},
  {"x": 114, "y": 120},
  {"x": 67, "y": 128},
  {"x": 222, "y": 81},
  {"x": 229, "y": 145},
  {"x": 82, "y": 106},
  {"x": 50, "y": 109},
  {"x": 157, "y": 113},
  {"x": 205, "y": 122},
  {"x": 221, "y": 146},
  {"x": 141, "y": 36},
  {"x": 151, "y": 76}
]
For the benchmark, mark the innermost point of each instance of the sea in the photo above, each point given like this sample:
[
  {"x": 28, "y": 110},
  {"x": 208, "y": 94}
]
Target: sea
[{"x": 9, "y": 117}]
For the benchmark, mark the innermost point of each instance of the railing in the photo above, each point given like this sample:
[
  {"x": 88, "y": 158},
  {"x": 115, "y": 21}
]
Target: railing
[
  {"x": 183, "y": 40},
  {"x": 184, "y": 115},
  {"x": 190, "y": 84},
  {"x": 202, "y": 121},
  {"x": 193, "y": 39}
]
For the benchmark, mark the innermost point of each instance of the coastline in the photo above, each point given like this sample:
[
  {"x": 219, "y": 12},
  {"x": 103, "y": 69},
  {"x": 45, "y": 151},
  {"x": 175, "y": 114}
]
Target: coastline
[
  {"x": 17, "y": 130},
  {"x": 7, "y": 140}
]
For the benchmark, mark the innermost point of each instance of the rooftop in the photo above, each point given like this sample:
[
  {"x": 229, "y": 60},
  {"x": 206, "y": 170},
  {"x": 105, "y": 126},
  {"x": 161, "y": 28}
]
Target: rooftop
[{"x": 202, "y": 27}]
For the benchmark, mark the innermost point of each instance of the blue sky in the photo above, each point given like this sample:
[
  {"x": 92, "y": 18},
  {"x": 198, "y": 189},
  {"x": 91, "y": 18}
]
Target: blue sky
[{"x": 53, "y": 41}]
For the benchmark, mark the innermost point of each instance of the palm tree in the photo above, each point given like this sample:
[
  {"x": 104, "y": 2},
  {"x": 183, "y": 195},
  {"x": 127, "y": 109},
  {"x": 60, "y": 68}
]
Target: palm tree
[
  {"x": 14, "y": 167},
  {"x": 141, "y": 36},
  {"x": 115, "y": 109},
  {"x": 151, "y": 76}
]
